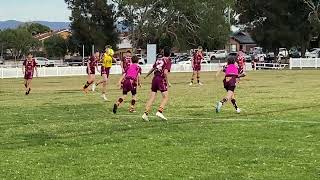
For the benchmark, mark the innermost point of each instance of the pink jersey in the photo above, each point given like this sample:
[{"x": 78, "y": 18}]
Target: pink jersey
[
  {"x": 231, "y": 70},
  {"x": 133, "y": 71},
  {"x": 162, "y": 64}
]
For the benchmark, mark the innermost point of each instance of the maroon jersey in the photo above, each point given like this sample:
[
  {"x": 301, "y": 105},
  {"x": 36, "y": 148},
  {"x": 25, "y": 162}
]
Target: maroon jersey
[
  {"x": 93, "y": 61},
  {"x": 29, "y": 65},
  {"x": 241, "y": 61},
  {"x": 197, "y": 58},
  {"x": 162, "y": 64},
  {"x": 127, "y": 60}
]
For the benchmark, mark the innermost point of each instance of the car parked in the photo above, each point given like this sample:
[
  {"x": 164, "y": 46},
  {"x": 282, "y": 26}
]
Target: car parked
[
  {"x": 75, "y": 61},
  {"x": 283, "y": 52},
  {"x": 220, "y": 54},
  {"x": 1, "y": 60},
  {"x": 41, "y": 61},
  {"x": 314, "y": 53}
]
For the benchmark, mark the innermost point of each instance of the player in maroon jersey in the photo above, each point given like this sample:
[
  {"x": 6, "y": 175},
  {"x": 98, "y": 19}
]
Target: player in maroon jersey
[
  {"x": 92, "y": 65},
  {"x": 161, "y": 69},
  {"x": 196, "y": 65},
  {"x": 241, "y": 62},
  {"x": 29, "y": 66},
  {"x": 126, "y": 61}
]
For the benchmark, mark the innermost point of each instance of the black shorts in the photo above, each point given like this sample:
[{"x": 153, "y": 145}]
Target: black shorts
[{"x": 230, "y": 83}]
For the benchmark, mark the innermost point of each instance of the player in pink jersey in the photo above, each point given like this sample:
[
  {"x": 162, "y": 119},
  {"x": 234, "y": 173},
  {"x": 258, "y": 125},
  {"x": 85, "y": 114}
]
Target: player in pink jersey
[
  {"x": 130, "y": 80},
  {"x": 230, "y": 82},
  {"x": 161, "y": 70},
  {"x": 29, "y": 66},
  {"x": 196, "y": 65},
  {"x": 126, "y": 61},
  {"x": 92, "y": 65}
]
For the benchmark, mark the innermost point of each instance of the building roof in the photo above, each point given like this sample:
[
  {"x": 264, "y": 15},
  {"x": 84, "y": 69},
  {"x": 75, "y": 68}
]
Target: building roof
[
  {"x": 47, "y": 35},
  {"x": 243, "y": 38}
]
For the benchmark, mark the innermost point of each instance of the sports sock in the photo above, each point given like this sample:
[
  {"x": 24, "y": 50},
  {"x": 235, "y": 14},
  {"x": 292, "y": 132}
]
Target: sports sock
[
  {"x": 161, "y": 109},
  {"x": 86, "y": 85},
  {"x": 224, "y": 100},
  {"x": 133, "y": 102},
  {"x": 198, "y": 79},
  {"x": 234, "y": 102},
  {"x": 119, "y": 101}
]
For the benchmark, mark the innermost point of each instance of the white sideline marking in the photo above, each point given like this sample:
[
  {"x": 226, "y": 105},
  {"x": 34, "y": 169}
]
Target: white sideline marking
[{"x": 226, "y": 119}]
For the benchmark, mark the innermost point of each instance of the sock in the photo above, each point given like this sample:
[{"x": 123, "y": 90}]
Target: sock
[
  {"x": 133, "y": 102},
  {"x": 86, "y": 85},
  {"x": 119, "y": 101},
  {"x": 192, "y": 80},
  {"x": 224, "y": 100},
  {"x": 25, "y": 85},
  {"x": 146, "y": 112},
  {"x": 234, "y": 102},
  {"x": 198, "y": 79},
  {"x": 160, "y": 109}
]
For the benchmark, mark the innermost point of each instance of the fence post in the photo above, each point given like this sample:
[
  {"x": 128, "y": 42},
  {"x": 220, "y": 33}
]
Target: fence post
[
  {"x": 2, "y": 72},
  {"x": 290, "y": 63},
  {"x": 316, "y": 63},
  {"x": 300, "y": 63}
]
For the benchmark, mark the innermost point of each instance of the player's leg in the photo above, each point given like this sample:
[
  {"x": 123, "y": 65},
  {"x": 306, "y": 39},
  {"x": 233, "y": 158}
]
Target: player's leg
[
  {"x": 87, "y": 84},
  {"x": 28, "y": 86},
  {"x": 192, "y": 78},
  {"x": 151, "y": 100},
  {"x": 224, "y": 100},
  {"x": 165, "y": 99},
  {"x": 234, "y": 103},
  {"x": 198, "y": 78},
  {"x": 104, "y": 86},
  {"x": 119, "y": 102},
  {"x": 133, "y": 104}
]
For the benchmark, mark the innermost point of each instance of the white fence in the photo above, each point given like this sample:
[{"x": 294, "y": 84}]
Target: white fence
[
  {"x": 304, "y": 63},
  {"x": 81, "y": 70}
]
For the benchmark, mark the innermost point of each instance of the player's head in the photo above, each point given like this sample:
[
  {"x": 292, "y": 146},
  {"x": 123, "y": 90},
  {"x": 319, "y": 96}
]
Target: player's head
[
  {"x": 166, "y": 51},
  {"x": 97, "y": 54},
  {"x": 231, "y": 60},
  {"x": 200, "y": 49},
  {"x": 30, "y": 56},
  {"x": 108, "y": 47},
  {"x": 128, "y": 53},
  {"x": 135, "y": 59}
]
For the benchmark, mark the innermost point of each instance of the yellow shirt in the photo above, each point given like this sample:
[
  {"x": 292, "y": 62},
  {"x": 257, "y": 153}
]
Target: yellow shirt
[{"x": 107, "y": 58}]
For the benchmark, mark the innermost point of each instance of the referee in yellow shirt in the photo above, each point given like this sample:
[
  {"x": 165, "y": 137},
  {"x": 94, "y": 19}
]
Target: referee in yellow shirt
[{"x": 106, "y": 61}]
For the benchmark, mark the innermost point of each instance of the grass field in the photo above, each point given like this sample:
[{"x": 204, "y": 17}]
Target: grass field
[{"x": 59, "y": 133}]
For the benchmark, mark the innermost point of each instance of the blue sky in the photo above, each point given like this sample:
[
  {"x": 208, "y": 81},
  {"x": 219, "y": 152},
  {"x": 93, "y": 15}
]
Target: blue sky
[{"x": 34, "y": 10}]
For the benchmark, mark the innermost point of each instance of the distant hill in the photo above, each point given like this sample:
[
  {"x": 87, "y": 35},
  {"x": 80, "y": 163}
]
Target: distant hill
[{"x": 12, "y": 24}]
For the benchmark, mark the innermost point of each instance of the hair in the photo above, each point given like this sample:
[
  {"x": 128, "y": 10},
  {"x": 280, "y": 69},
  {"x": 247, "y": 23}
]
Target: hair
[
  {"x": 135, "y": 59},
  {"x": 166, "y": 51},
  {"x": 29, "y": 53},
  {"x": 129, "y": 51},
  {"x": 231, "y": 60},
  {"x": 97, "y": 51},
  {"x": 108, "y": 46},
  {"x": 199, "y": 47}
]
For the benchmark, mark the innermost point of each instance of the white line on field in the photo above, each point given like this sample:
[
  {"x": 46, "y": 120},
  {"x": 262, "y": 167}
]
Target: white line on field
[{"x": 226, "y": 119}]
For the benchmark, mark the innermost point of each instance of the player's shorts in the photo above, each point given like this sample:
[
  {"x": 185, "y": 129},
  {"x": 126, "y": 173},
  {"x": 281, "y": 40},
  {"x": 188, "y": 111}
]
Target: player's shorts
[
  {"x": 92, "y": 71},
  {"x": 230, "y": 83},
  {"x": 129, "y": 85},
  {"x": 28, "y": 75},
  {"x": 197, "y": 67},
  {"x": 159, "y": 84},
  {"x": 105, "y": 70}
]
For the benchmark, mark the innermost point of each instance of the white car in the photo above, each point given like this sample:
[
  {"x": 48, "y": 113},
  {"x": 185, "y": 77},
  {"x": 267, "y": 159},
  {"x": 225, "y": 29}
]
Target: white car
[
  {"x": 314, "y": 53},
  {"x": 41, "y": 61},
  {"x": 283, "y": 52},
  {"x": 220, "y": 54},
  {"x": 141, "y": 59}
]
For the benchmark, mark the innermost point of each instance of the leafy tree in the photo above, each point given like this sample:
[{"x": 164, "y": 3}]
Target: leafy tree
[
  {"x": 184, "y": 24},
  {"x": 19, "y": 41},
  {"x": 93, "y": 23},
  {"x": 276, "y": 24},
  {"x": 35, "y": 28},
  {"x": 56, "y": 46}
]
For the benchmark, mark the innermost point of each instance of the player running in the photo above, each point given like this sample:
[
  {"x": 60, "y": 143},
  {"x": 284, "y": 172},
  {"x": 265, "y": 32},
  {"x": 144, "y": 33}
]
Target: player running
[
  {"x": 105, "y": 70},
  {"x": 241, "y": 61},
  {"x": 230, "y": 81},
  {"x": 161, "y": 69},
  {"x": 129, "y": 81},
  {"x": 92, "y": 65},
  {"x": 196, "y": 65},
  {"x": 29, "y": 66},
  {"x": 126, "y": 61}
]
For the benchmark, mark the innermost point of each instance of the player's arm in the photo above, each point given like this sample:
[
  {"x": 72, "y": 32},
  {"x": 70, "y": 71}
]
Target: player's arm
[
  {"x": 36, "y": 69},
  {"x": 23, "y": 69},
  {"x": 88, "y": 67},
  {"x": 166, "y": 75},
  {"x": 121, "y": 79},
  {"x": 138, "y": 80},
  {"x": 150, "y": 72}
]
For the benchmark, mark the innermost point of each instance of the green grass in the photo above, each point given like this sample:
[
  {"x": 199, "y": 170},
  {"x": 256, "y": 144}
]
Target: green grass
[{"x": 59, "y": 133}]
